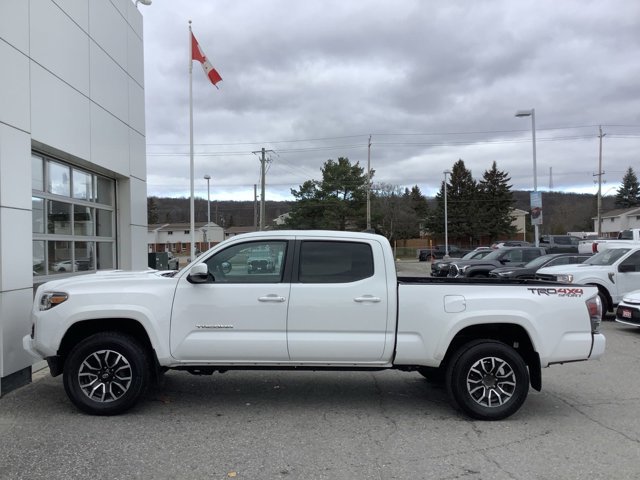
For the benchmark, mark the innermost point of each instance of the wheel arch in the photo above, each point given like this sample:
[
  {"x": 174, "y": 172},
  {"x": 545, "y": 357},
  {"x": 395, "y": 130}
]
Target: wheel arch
[
  {"x": 516, "y": 336},
  {"x": 605, "y": 291},
  {"x": 85, "y": 328}
]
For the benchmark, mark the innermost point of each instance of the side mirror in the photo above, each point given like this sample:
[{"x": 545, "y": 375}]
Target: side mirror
[
  {"x": 626, "y": 267},
  {"x": 199, "y": 273}
]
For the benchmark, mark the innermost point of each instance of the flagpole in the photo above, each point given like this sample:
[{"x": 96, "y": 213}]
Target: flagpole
[{"x": 191, "y": 172}]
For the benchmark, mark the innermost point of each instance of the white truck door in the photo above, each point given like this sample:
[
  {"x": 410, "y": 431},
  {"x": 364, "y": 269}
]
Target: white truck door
[
  {"x": 241, "y": 314},
  {"x": 628, "y": 279},
  {"x": 338, "y": 305}
]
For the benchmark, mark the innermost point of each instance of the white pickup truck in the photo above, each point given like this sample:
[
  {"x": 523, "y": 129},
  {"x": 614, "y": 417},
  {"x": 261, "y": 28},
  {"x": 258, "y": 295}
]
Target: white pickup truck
[
  {"x": 615, "y": 272},
  {"x": 331, "y": 301},
  {"x": 600, "y": 245}
]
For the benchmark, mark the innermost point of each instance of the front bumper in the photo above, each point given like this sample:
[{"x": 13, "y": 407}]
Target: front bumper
[{"x": 28, "y": 345}]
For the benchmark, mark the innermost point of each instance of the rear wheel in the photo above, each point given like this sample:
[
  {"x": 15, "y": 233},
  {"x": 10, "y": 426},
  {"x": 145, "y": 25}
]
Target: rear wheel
[
  {"x": 487, "y": 380},
  {"x": 106, "y": 373}
]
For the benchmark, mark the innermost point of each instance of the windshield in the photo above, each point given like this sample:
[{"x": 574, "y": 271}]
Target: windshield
[
  {"x": 537, "y": 262},
  {"x": 494, "y": 255},
  {"x": 476, "y": 254},
  {"x": 608, "y": 257}
]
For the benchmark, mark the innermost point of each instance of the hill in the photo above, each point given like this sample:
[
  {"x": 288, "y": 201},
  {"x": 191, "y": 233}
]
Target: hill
[{"x": 563, "y": 212}]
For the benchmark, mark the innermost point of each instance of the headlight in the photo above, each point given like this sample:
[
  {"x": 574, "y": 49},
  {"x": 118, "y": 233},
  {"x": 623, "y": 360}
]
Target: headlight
[
  {"x": 505, "y": 274},
  {"x": 51, "y": 299},
  {"x": 565, "y": 277}
]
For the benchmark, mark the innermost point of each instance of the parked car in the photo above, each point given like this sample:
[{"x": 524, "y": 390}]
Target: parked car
[
  {"x": 438, "y": 251},
  {"x": 335, "y": 303},
  {"x": 529, "y": 270},
  {"x": 615, "y": 271},
  {"x": 628, "y": 311},
  {"x": 560, "y": 243},
  {"x": 173, "y": 262},
  {"x": 513, "y": 256},
  {"x": 441, "y": 268},
  {"x": 511, "y": 243}
]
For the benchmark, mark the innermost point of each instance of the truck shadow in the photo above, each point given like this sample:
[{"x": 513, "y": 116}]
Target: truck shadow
[{"x": 275, "y": 392}]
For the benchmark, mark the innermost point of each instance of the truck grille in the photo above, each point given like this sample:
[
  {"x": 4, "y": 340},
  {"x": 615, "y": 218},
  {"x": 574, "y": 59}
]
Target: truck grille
[{"x": 548, "y": 278}]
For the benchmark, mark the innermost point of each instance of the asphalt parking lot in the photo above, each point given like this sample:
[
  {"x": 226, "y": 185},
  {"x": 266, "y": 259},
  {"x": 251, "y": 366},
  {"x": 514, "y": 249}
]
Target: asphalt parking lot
[{"x": 334, "y": 425}]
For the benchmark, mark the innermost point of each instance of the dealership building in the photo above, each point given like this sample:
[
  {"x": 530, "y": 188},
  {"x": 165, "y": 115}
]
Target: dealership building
[{"x": 72, "y": 153}]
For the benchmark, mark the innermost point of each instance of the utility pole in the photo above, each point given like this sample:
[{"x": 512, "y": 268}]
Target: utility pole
[
  {"x": 255, "y": 206},
  {"x": 599, "y": 175},
  {"x": 369, "y": 185},
  {"x": 263, "y": 173}
]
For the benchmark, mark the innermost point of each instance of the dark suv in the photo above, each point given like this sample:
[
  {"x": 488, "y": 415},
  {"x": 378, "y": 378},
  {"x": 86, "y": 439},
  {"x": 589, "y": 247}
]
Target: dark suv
[
  {"x": 438, "y": 251},
  {"x": 502, "y": 257},
  {"x": 559, "y": 243}
]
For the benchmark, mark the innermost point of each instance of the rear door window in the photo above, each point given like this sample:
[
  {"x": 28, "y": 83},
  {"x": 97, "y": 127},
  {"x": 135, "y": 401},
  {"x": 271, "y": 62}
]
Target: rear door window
[{"x": 334, "y": 262}]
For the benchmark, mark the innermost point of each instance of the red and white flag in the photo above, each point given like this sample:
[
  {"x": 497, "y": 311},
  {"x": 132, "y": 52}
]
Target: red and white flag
[{"x": 198, "y": 54}]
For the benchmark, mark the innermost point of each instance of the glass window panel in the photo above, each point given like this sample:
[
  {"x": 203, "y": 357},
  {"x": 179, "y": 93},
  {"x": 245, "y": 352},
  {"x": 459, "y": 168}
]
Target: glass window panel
[
  {"x": 82, "y": 185},
  {"x": 335, "y": 262},
  {"x": 58, "y": 217},
  {"x": 37, "y": 215},
  {"x": 37, "y": 173},
  {"x": 82, "y": 220},
  {"x": 104, "y": 225},
  {"x": 59, "y": 180},
  {"x": 104, "y": 191},
  {"x": 105, "y": 255},
  {"x": 39, "y": 267},
  {"x": 59, "y": 257},
  {"x": 255, "y": 262},
  {"x": 83, "y": 252}
]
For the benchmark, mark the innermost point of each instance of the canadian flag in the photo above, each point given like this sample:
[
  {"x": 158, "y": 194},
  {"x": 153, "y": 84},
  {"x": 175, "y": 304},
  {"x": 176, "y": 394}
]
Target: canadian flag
[{"x": 198, "y": 54}]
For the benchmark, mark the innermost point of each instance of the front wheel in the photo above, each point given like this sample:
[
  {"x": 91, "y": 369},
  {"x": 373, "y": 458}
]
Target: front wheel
[
  {"x": 605, "y": 305},
  {"x": 106, "y": 373},
  {"x": 488, "y": 380}
]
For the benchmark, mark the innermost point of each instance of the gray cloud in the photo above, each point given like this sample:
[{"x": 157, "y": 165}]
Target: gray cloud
[{"x": 338, "y": 71}]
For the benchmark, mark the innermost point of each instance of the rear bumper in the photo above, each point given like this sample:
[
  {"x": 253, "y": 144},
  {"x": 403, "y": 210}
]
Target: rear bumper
[{"x": 598, "y": 346}]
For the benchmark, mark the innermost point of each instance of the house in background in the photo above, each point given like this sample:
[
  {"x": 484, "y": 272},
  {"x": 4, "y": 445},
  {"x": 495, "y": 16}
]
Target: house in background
[
  {"x": 72, "y": 153},
  {"x": 614, "y": 221},
  {"x": 176, "y": 237}
]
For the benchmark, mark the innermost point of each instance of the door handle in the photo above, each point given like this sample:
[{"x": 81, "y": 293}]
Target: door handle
[
  {"x": 272, "y": 298},
  {"x": 367, "y": 298}
]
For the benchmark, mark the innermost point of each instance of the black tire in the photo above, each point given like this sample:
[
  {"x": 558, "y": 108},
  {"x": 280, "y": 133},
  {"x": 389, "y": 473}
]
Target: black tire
[
  {"x": 487, "y": 380},
  {"x": 106, "y": 373},
  {"x": 605, "y": 305}
]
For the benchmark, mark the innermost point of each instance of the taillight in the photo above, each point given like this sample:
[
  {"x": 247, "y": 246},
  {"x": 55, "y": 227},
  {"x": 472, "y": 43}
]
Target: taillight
[
  {"x": 594, "y": 247},
  {"x": 594, "y": 307}
]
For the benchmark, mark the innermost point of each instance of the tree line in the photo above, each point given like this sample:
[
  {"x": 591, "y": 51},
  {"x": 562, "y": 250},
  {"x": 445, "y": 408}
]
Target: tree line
[{"x": 477, "y": 210}]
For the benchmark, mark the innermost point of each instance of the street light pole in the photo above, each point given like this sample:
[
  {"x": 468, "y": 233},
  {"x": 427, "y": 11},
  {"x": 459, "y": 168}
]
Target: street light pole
[
  {"x": 532, "y": 113},
  {"x": 446, "y": 220},
  {"x": 207, "y": 177}
]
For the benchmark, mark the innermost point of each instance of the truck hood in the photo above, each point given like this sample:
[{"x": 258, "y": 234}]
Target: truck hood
[
  {"x": 632, "y": 297},
  {"x": 479, "y": 261},
  {"x": 579, "y": 271},
  {"x": 108, "y": 277}
]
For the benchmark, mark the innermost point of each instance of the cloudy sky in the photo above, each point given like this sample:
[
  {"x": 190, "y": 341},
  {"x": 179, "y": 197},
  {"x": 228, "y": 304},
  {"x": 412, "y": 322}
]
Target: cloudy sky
[{"x": 431, "y": 82}]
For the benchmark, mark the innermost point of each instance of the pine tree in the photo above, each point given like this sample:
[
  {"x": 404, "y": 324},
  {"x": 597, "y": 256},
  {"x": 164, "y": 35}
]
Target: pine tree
[
  {"x": 495, "y": 204},
  {"x": 629, "y": 192},
  {"x": 336, "y": 202},
  {"x": 462, "y": 207}
]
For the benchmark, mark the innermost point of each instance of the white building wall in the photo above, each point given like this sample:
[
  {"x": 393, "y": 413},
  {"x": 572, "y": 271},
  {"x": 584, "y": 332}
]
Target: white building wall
[{"x": 76, "y": 93}]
